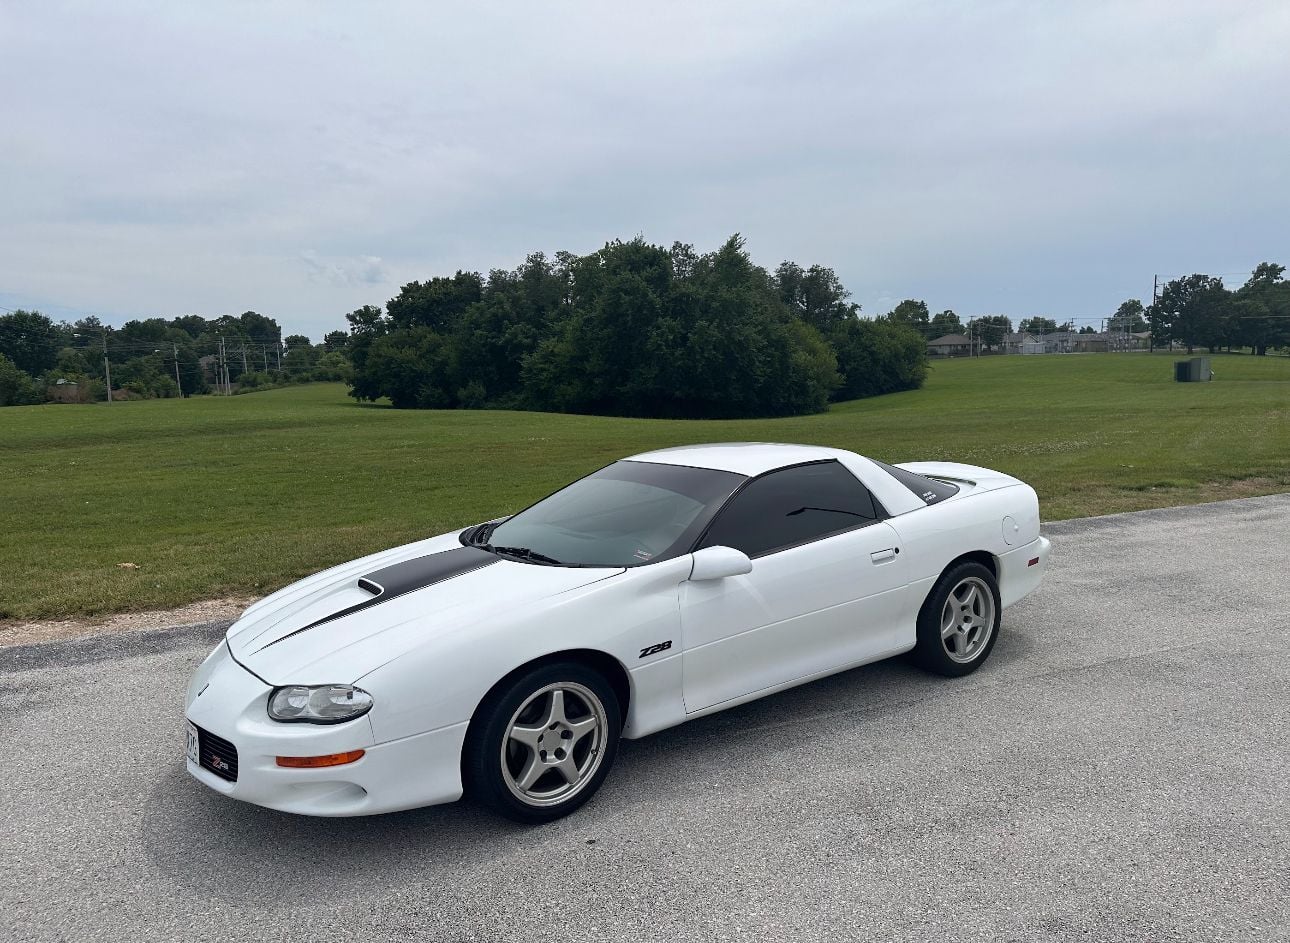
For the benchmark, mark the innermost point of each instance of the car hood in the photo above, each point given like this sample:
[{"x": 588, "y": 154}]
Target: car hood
[{"x": 341, "y": 624}]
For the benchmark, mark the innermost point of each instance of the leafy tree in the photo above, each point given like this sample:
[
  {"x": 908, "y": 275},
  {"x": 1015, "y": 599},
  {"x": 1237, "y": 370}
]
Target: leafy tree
[
  {"x": 368, "y": 319},
  {"x": 1038, "y": 325},
  {"x": 298, "y": 362},
  {"x": 365, "y": 325},
  {"x": 410, "y": 366},
  {"x": 1260, "y": 314},
  {"x": 1193, "y": 309},
  {"x": 438, "y": 303},
  {"x": 947, "y": 322},
  {"x": 878, "y": 357},
  {"x": 633, "y": 329},
  {"x": 72, "y": 363},
  {"x": 336, "y": 340},
  {"x": 912, "y": 313},
  {"x": 670, "y": 333},
  {"x": 1128, "y": 317},
  {"x": 17, "y": 388},
  {"x": 30, "y": 341},
  {"x": 148, "y": 376},
  {"x": 194, "y": 325},
  {"x": 1088, "y": 329},
  {"x": 991, "y": 328},
  {"x": 814, "y": 295},
  {"x": 333, "y": 366},
  {"x": 257, "y": 327},
  {"x": 495, "y": 336}
]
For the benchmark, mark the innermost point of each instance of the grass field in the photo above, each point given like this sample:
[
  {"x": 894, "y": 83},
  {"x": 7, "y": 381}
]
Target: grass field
[{"x": 214, "y": 496}]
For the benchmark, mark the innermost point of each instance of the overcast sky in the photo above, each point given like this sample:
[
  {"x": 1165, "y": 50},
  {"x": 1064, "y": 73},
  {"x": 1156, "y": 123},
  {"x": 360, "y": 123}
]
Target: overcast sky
[{"x": 302, "y": 159}]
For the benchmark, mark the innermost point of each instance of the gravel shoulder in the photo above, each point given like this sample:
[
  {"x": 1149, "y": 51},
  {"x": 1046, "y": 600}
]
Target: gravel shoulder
[{"x": 13, "y": 632}]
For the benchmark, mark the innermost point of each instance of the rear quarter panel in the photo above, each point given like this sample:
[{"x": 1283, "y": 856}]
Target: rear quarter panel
[{"x": 936, "y": 535}]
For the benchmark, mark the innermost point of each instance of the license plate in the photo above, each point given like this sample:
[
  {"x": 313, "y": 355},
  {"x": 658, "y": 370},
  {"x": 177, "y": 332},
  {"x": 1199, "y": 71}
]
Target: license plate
[{"x": 192, "y": 744}]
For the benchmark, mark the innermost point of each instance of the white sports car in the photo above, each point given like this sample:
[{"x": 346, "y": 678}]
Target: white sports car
[{"x": 507, "y": 660}]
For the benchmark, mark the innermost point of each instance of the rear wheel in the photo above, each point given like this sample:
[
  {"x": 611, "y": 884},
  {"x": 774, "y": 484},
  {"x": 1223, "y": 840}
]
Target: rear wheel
[
  {"x": 959, "y": 622},
  {"x": 540, "y": 746}
]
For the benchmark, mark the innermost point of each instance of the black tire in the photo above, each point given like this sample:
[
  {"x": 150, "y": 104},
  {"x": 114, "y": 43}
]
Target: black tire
[
  {"x": 941, "y": 656},
  {"x": 493, "y": 762}
]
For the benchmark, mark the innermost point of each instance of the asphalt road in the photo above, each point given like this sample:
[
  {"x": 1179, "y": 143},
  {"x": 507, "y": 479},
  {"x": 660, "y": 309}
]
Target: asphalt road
[{"x": 1118, "y": 771}]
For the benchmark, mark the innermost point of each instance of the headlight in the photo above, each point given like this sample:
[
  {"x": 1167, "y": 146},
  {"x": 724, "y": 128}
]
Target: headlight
[{"x": 319, "y": 704}]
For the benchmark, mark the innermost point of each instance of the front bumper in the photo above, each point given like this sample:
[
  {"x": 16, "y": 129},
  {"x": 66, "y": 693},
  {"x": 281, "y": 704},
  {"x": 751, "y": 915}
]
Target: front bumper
[{"x": 227, "y": 700}]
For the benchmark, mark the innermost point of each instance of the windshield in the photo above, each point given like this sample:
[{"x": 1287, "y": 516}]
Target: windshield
[{"x": 625, "y": 515}]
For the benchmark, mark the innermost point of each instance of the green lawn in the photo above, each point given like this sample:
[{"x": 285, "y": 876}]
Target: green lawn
[{"x": 214, "y": 496}]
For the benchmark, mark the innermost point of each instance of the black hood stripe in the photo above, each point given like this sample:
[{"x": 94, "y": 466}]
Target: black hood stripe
[{"x": 400, "y": 579}]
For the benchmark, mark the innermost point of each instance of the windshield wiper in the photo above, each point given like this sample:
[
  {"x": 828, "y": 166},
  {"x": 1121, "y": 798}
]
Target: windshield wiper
[{"x": 523, "y": 553}]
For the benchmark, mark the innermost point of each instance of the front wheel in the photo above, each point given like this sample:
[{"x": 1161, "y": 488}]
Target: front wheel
[
  {"x": 540, "y": 746},
  {"x": 959, "y": 622}
]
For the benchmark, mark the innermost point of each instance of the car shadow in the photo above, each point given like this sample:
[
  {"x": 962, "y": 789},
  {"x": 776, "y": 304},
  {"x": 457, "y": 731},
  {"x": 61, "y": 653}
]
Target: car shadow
[{"x": 258, "y": 856}]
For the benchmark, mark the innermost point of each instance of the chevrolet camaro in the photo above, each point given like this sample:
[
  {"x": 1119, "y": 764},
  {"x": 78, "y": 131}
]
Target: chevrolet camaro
[{"x": 507, "y": 660}]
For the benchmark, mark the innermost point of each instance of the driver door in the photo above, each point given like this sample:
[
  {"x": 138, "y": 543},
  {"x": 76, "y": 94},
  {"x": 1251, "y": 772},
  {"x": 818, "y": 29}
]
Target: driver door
[{"x": 826, "y": 591}]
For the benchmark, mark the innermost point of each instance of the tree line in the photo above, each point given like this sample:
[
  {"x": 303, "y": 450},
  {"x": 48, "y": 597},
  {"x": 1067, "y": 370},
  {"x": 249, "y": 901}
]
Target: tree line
[
  {"x": 1194, "y": 311},
  {"x": 1199, "y": 311},
  {"x": 633, "y": 329},
  {"x": 156, "y": 357}
]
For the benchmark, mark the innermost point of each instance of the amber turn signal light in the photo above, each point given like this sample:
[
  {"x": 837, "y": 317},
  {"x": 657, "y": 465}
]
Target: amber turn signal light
[{"x": 315, "y": 762}]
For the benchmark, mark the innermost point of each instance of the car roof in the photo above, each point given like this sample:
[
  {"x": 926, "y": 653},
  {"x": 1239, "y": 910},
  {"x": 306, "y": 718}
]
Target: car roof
[{"x": 743, "y": 458}]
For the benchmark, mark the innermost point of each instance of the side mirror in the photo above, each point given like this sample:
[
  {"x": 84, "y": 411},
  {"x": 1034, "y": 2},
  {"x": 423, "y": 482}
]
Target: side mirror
[{"x": 715, "y": 563}]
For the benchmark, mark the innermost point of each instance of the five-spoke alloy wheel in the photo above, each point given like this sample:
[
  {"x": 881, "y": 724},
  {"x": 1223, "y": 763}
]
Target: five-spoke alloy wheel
[
  {"x": 967, "y": 619},
  {"x": 959, "y": 621},
  {"x": 542, "y": 744},
  {"x": 555, "y": 744}
]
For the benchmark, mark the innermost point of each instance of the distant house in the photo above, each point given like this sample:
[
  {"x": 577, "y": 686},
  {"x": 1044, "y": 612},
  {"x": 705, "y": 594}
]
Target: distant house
[
  {"x": 1022, "y": 342},
  {"x": 950, "y": 345}
]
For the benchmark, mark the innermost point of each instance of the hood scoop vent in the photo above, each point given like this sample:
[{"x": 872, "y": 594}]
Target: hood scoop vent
[{"x": 400, "y": 579}]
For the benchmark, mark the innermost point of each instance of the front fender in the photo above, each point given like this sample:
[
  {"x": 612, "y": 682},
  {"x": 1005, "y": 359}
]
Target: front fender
[{"x": 442, "y": 683}]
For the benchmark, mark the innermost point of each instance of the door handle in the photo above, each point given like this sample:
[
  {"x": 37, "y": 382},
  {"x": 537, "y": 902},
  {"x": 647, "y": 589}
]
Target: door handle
[{"x": 882, "y": 556}]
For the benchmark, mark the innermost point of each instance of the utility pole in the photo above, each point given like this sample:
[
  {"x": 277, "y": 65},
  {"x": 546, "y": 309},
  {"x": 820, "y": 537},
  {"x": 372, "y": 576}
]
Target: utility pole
[
  {"x": 177, "y": 383},
  {"x": 107, "y": 367},
  {"x": 265, "y": 352},
  {"x": 1155, "y": 290},
  {"x": 223, "y": 367},
  {"x": 245, "y": 369}
]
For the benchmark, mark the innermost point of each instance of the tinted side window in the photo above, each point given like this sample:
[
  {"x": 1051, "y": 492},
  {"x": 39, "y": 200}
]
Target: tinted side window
[{"x": 791, "y": 507}]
